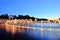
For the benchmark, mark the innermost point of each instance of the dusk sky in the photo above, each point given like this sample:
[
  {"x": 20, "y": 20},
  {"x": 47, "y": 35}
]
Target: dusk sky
[{"x": 36, "y": 8}]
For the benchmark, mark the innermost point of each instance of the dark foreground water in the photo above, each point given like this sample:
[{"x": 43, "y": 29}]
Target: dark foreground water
[{"x": 31, "y": 34}]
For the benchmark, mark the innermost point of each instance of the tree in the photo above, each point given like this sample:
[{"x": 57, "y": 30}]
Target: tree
[
  {"x": 4, "y": 16},
  {"x": 26, "y": 17},
  {"x": 33, "y": 18},
  {"x": 14, "y": 17},
  {"x": 20, "y": 16}
]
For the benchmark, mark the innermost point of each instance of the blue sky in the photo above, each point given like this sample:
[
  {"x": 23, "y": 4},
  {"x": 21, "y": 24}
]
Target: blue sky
[{"x": 36, "y": 8}]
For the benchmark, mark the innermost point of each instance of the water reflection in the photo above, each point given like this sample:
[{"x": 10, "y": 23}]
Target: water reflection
[{"x": 40, "y": 33}]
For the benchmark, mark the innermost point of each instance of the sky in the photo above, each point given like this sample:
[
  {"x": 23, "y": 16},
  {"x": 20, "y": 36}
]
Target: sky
[{"x": 35, "y": 8}]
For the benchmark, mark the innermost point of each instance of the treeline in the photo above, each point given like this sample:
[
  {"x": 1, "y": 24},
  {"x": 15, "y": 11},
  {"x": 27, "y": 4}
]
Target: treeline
[{"x": 6, "y": 16}]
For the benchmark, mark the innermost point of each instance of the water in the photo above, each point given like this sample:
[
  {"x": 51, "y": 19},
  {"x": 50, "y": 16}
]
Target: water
[
  {"x": 32, "y": 34},
  {"x": 44, "y": 25}
]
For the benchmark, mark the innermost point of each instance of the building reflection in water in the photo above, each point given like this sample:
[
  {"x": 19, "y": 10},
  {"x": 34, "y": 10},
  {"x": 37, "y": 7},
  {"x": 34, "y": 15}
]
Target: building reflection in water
[{"x": 13, "y": 29}]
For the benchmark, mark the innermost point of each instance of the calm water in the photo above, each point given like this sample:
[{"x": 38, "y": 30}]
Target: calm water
[{"x": 31, "y": 34}]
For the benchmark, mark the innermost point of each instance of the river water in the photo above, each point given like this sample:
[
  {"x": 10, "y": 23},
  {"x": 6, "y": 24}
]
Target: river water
[{"x": 49, "y": 31}]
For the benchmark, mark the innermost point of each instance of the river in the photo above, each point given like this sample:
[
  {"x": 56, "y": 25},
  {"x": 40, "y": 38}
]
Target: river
[{"x": 51, "y": 31}]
